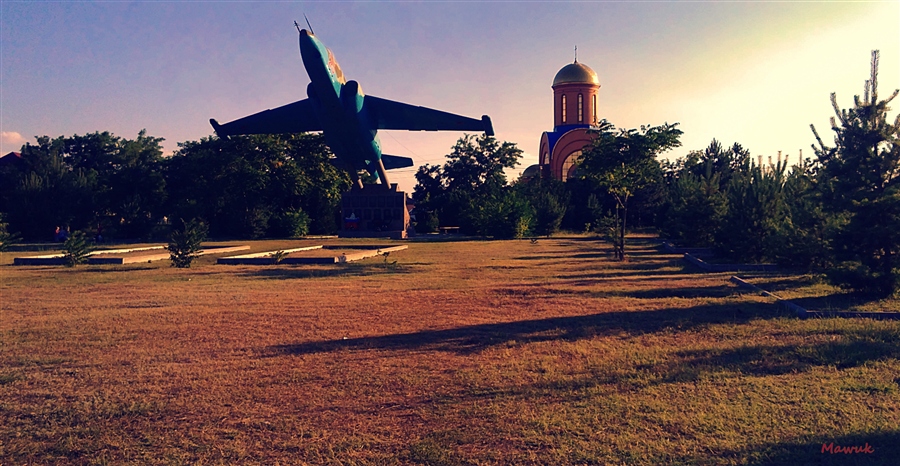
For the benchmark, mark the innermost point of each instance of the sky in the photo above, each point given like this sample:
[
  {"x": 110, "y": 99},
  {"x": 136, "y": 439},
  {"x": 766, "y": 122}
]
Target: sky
[{"x": 756, "y": 73}]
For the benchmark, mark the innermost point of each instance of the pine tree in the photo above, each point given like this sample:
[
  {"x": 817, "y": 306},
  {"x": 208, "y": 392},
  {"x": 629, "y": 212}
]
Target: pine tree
[{"x": 859, "y": 182}]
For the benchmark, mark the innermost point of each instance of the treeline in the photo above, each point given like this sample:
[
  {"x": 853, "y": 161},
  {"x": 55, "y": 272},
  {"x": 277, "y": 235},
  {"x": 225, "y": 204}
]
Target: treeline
[
  {"x": 470, "y": 191},
  {"x": 838, "y": 213},
  {"x": 102, "y": 184}
]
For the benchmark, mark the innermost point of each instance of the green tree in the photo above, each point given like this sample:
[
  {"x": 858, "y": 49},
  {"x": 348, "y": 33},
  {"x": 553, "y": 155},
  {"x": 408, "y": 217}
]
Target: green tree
[
  {"x": 503, "y": 214},
  {"x": 48, "y": 192},
  {"x": 254, "y": 186},
  {"x": 696, "y": 192},
  {"x": 310, "y": 183},
  {"x": 476, "y": 163},
  {"x": 859, "y": 181},
  {"x": 802, "y": 240},
  {"x": 464, "y": 189},
  {"x": 757, "y": 210},
  {"x": 84, "y": 180},
  {"x": 696, "y": 201},
  {"x": 130, "y": 192},
  {"x": 549, "y": 201},
  {"x": 137, "y": 185},
  {"x": 623, "y": 163},
  {"x": 7, "y": 238},
  {"x": 428, "y": 196},
  {"x": 694, "y": 210}
]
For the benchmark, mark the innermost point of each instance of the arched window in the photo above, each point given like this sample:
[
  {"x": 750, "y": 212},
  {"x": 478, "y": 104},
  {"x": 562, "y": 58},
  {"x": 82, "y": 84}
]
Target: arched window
[
  {"x": 570, "y": 165},
  {"x": 563, "y": 108},
  {"x": 580, "y": 108},
  {"x": 594, "y": 106}
]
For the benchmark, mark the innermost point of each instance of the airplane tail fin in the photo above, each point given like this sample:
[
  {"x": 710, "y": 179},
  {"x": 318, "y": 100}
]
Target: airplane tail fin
[{"x": 392, "y": 162}]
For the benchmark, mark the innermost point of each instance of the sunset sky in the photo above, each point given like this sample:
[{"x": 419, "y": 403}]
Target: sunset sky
[{"x": 757, "y": 73}]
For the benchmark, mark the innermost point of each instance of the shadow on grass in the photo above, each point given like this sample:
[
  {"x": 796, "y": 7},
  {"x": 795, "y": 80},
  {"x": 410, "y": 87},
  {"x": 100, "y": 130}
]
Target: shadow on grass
[
  {"x": 884, "y": 447},
  {"x": 716, "y": 291},
  {"x": 564, "y": 288},
  {"x": 591, "y": 255},
  {"x": 125, "y": 268},
  {"x": 554, "y": 257},
  {"x": 840, "y": 301},
  {"x": 602, "y": 253},
  {"x": 476, "y": 338},
  {"x": 856, "y": 348},
  {"x": 779, "y": 284},
  {"x": 640, "y": 272},
  {"x": 282, "y": 272},
  {"x": 653, "y": 253},
  {"x": 852, "y": 350}
]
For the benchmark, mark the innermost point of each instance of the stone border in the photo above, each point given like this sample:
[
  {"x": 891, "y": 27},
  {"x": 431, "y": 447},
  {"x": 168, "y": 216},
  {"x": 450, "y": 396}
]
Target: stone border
[
  {"x": 729, "y": 267},
  {"x": 670, "y": 248},
  {"x": 801, "y": 312},
  {"x": 805, "y": 314},
  {"x": 264, "y": 258}
]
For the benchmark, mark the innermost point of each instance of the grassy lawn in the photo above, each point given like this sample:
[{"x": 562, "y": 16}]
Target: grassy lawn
[{"x": 464, "y": 352}]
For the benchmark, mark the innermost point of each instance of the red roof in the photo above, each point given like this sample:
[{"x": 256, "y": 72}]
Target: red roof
[{"x": 11, "y": 158}]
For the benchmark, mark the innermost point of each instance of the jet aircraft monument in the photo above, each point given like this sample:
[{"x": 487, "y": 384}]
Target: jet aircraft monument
[{"x": 349, "y": 119}]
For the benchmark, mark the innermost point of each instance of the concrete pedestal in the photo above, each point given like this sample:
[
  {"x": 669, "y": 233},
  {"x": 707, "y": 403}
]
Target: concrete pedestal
[{"x": 375, "y": 211}]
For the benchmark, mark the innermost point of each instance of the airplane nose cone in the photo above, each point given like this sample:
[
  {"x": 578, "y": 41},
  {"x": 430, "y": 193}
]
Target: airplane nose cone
[{"x": 306, "y": 39}]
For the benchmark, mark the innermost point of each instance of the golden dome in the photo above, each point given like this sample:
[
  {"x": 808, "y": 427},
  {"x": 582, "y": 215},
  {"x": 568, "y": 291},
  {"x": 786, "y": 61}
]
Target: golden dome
[{"x": 576, "y": 73}]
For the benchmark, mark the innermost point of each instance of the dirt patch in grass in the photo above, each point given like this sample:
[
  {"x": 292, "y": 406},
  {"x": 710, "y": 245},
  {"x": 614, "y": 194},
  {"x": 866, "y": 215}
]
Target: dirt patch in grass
[{"x": 463, "y": 352}]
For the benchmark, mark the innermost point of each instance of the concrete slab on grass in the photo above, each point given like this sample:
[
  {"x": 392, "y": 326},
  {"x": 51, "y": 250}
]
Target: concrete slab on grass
[
  {"x": 108, "y": 256},
  {"x": 261, "y": 258},
  {"x": 58, "y": 259},
  {"x": 265, "y": 258}
]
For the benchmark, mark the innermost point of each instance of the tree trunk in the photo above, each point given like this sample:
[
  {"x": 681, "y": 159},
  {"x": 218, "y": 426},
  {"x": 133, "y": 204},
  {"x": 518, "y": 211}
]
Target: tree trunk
[{"x": 622, "y": 234}]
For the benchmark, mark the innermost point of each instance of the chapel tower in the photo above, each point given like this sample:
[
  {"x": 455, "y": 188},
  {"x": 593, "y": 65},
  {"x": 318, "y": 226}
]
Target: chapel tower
[{"x": 575, "y": 112}]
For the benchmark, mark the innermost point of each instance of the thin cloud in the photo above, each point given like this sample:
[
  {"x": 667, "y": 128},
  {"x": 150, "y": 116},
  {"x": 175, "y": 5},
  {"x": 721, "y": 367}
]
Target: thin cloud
[{"x": 11, "y": 138}]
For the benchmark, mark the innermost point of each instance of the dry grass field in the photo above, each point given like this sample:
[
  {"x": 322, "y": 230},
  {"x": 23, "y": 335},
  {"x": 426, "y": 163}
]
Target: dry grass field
[{"x": 447, "y": 353}]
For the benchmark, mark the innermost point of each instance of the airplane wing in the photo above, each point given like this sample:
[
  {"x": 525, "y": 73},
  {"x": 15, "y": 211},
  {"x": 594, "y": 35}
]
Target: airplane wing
[
  {"x": 297, "y": 117},
  {"x": 390, "y": 114}
]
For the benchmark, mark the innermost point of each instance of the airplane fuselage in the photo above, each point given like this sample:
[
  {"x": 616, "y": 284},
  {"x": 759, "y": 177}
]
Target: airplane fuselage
[{"x": 339, "y": 106}]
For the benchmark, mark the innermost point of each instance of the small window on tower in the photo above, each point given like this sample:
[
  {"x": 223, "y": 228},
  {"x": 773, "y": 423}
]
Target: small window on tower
[
  {"x": 580, "y": 108},
  {"x": 594, "y": 107},
  {"x": 563, "y": 108}
]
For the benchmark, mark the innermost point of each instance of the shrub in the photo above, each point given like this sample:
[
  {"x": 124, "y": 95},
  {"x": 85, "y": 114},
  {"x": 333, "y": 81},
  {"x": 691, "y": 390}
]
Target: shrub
[
  {"x": 6, "y": 238},
  {"x": 505, "y": 215},
  {"x": 184, "y": 244},
  {"x": 76, "y": 249},
  {"x": 289, "y": 224}
]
